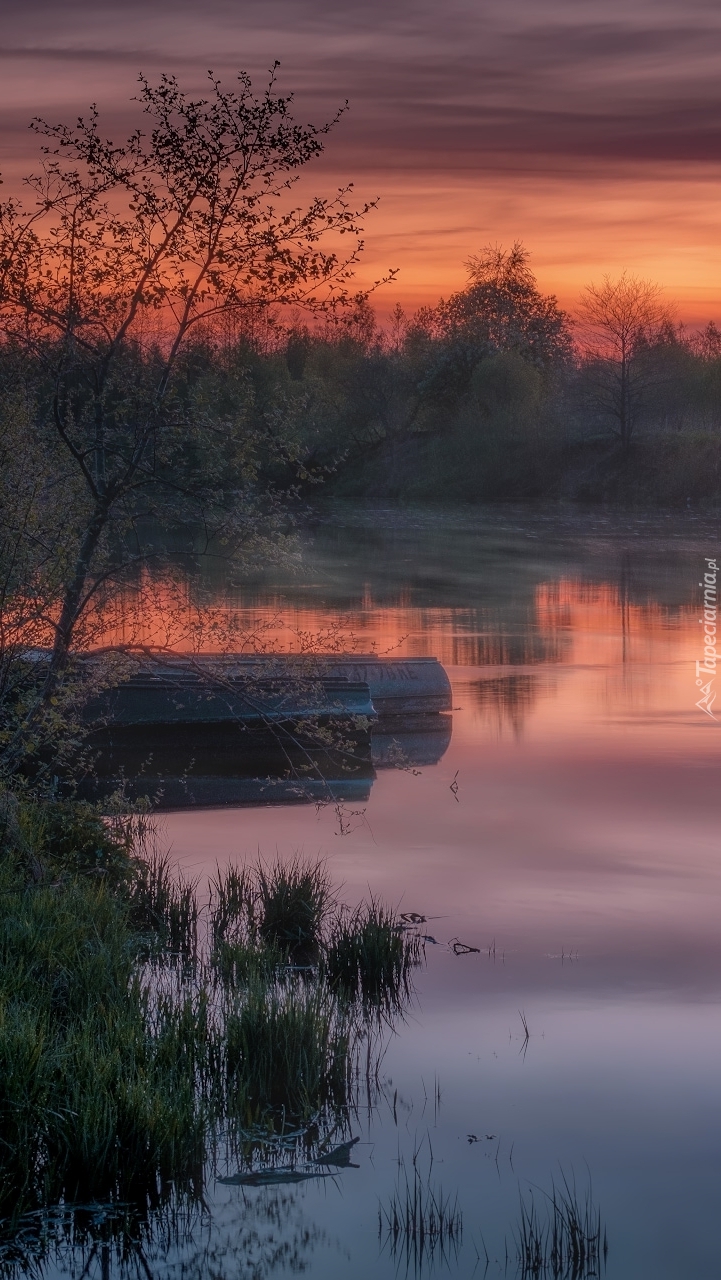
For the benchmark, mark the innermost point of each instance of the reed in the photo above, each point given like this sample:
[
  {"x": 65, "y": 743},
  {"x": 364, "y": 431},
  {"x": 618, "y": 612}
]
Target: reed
[
  {"x": 287, "y": 1051},
  {"x": 419, "y": 1224},
  {"x": 232, "y": 907},
  {"x": 120, "y": 1066},
  {"x": 293, "y": 904},
  {"x": 164, "y": 906},
  {"x": 370, "y": 955},
  {"x": 563, "y": 1239}
]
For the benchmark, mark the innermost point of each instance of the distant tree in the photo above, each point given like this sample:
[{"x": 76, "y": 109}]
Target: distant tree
[
  {"x": 355, "y": 328},
  {"x": 500, "y": 310},
  {"x": 707, "y": 342},
  {"x": 623, "y": 321},
  {"x": 397, "y": 329},
  {"x": 122, "y": 254},
  {"x": 299, "y": 343}
]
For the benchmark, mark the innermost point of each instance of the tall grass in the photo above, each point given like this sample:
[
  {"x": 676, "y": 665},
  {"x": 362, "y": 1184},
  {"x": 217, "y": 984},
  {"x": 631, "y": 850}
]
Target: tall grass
[
  {"x": 86, "y": 1101},
  {"x": 370, "y": 955},
  {"x": 287, "y": 1051},
  {"x": 419, "y": 1224},
  {"x": 294, "y": 900},
  {"x": 164, "y": 905},
  {"x": 120, "y": 1066},
  {"x": 564, "y": 1239},
  {"x": 231, "y": 908}
]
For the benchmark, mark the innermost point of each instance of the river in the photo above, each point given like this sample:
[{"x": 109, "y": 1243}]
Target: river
[{"x": 570, "y": 832}]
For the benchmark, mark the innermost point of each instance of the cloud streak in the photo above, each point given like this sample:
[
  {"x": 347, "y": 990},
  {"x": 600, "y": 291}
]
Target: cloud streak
[
  {"x": 439, "y": 94},
  {"x": 521, "y": 78}
]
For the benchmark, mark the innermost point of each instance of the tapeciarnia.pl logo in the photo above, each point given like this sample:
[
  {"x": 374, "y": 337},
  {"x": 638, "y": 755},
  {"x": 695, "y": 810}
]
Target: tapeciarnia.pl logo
[{"x": 707, "y": 667}]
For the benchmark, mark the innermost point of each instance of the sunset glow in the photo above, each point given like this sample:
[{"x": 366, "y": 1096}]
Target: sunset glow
[{"x": 592, "y": 137}]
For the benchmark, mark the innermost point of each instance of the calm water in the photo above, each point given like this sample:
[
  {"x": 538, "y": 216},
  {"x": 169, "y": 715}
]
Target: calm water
[{"x": 571, "y": 833}]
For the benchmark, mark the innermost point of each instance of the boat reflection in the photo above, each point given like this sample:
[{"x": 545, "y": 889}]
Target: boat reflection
[{"x": 214, "y": 765}]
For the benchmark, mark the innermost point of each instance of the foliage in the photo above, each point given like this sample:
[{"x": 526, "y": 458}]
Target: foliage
[
  {"x": 368, "y": 955},
  {"x": 130, "y": 1036},
  {"x": 469, "y": 401},
  {"x": 502, "y": 309},
  {"x": 128, "y": 272}
]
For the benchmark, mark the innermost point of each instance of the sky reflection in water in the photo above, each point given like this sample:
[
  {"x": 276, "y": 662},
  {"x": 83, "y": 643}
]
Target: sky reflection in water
[{"x": 581, "y": 856}]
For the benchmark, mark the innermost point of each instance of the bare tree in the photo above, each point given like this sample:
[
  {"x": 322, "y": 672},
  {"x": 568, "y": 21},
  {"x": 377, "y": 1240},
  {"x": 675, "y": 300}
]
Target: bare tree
[{"x": 621, "y": 321}]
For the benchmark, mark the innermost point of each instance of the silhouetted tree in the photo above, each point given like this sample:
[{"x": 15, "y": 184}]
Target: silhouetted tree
[
  {"x": 500, "y": 310},
  {"x": 624, "y": 320},
  {"x": 121, "y": 255}
]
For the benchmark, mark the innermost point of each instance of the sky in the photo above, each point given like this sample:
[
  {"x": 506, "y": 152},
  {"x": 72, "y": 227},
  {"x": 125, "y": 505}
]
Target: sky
[{"x": 591, "y": 132}]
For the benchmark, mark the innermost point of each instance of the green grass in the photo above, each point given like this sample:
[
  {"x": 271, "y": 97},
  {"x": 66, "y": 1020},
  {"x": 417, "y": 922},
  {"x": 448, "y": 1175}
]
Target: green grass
[
  {"x": 164, "y": 906},
  {"x": 88, "y": 1103},
  {"x": 135, "y": 1029},
  {"x": 294, "y": 900},
  {"x": 287, "y": 1051},
  {"x": 371, "y": 956},
  {"x": 232, "y": 907}
]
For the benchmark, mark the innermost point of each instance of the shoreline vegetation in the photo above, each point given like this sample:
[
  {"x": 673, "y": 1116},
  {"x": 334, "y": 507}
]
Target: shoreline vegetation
[
  {"x": 498, "y": 395},
  {"x": 151, "y": 1046},
  {"x": 147, "y": 1043}
]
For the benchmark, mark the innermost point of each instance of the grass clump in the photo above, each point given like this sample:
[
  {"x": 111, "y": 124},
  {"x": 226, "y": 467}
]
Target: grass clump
[
  {"x": 232, "y": 907},
  {"x": 293, "y": 903},
  {"x": 63, "y": 838},
  {"x": 369, "y": 954},
  {"x": 287, "y": 1051},
  {"x": 87, "y": 1104},
  {"x": 164, "y": 906}
]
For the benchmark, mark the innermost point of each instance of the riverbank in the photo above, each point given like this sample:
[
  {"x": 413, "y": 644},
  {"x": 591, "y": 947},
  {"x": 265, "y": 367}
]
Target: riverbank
[
  {"x": 671, "y": 469},
  {"x": 143, "y": 1038}
]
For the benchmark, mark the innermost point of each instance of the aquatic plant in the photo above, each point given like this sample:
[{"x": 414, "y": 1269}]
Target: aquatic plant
[
  {"x": 419, "y": 1224},
  {"x": 293, "y": 903},
  {"x": 231, "y": 909},
  {"x": 564, "y": 1239},
  {"x": 120, "y": 1066},
  {"x": 287, "y": 1049},
  {"x": 164, "y": 904},
  {"x": 371, "y": 954}
]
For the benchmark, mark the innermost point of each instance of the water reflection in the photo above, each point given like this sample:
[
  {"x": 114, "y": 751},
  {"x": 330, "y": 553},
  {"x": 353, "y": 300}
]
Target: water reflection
[
  {"x": 208, "y": 766},
  {"x": 248, "y": 1237},
  {"x": 503, "y": 701},
  {"x": 579, "y": 852}
]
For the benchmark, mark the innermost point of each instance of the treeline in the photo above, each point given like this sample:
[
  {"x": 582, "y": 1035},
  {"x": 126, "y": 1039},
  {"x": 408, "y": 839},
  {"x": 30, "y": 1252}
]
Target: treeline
[
  {"x": 494, "y": 393},
  {"x": 182, "y": 358}
]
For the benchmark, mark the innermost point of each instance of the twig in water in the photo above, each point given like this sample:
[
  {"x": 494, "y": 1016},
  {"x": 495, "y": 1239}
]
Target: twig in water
[{"x": 462, "y": 948}]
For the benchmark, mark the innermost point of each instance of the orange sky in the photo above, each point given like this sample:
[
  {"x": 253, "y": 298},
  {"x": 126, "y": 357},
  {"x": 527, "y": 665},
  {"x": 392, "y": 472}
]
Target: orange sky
[{"x": 590, "y": 132}]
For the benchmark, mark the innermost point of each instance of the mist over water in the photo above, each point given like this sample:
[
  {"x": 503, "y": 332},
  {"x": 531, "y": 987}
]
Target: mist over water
[{"x": 570, "y": 833}]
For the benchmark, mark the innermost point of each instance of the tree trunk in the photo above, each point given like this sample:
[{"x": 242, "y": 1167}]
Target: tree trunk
[{"x": 72, "y": 599}]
